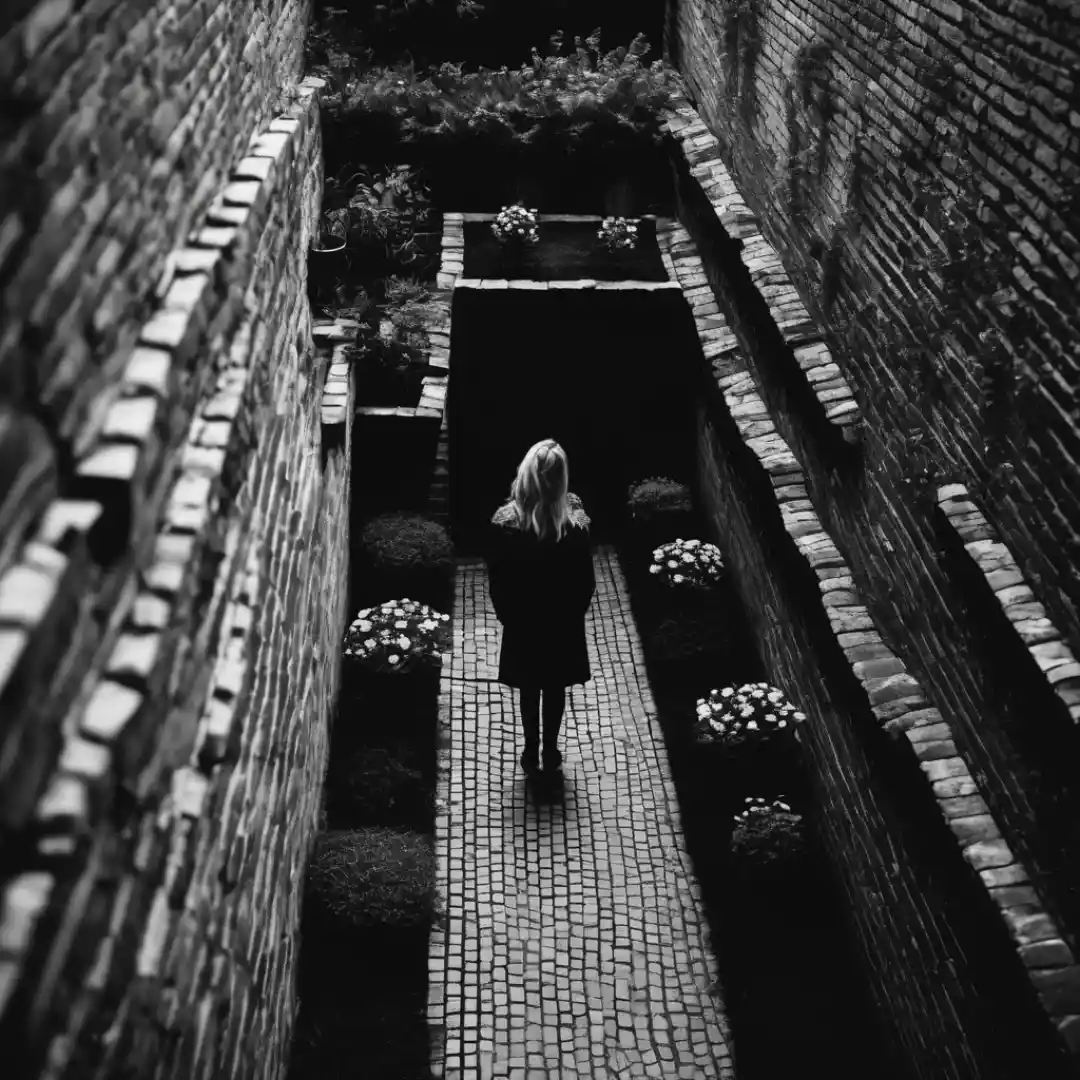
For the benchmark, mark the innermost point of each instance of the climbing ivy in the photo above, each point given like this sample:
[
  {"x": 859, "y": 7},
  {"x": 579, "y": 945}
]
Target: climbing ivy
[{"x": 741, "y": 35}]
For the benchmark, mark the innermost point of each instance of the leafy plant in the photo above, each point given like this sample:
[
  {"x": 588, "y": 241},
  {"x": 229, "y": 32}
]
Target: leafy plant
[
  {"x": 552, "y": 96},
  {"x": 374, "y": 877},
  {"x": 381, "y": 207}
]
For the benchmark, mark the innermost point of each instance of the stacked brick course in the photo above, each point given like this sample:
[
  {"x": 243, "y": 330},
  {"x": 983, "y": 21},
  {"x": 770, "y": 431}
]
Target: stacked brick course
[{"x": 174, "y": 553}]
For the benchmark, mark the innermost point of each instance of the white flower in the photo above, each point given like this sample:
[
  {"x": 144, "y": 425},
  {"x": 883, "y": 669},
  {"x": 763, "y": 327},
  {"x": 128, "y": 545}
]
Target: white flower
[
  {"x": 678, "y": 578},
  {"x": 401, "y": 624},
  {"x": 746, "y": 710},
  {"x": 393, "y": 658},
  {"x": 654, "y": 569},
  {"x": 727, "y": 692},
  {"x": 752, "y": 725},
  {"x": 370, "y": 643},
  {"x": 673, "y": 564},
  {"x": 799, "y": 716},
  {"x": 363, "y": 625},
  {"x": 404, "y": 643},
  {"x": 771, "y": 719},
  {"x": 703, "y": 710},
  {"x": 781, "y": 723},
  {"x": 688, "y": 558}
]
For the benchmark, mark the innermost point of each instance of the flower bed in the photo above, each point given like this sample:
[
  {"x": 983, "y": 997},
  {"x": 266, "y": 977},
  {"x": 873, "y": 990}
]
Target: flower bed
[
  {"x": 744, "y": 799},
  {"x": 370, "y": 899},
  {"x": 564, "y": 251}
]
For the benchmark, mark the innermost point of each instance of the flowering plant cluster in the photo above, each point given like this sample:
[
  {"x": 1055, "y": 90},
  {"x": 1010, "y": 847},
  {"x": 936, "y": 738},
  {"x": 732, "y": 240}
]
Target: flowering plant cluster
[
  {"x": 753, "y": 710},
  {"x": 617, "y": 233},
  {"x": 753, "y": 807},
  {"x": 688, "y": 562},
  {"x": 397, "y": 636},
  {"x": 515, "y": 223}
]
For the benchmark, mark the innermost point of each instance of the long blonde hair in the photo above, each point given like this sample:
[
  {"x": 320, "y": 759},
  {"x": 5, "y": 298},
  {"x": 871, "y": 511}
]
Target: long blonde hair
[{"x": 540, "y": 489}]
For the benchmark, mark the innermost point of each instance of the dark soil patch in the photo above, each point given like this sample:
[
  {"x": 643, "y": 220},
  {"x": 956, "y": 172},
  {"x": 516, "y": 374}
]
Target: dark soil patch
[{"x": 566, "y": 251}]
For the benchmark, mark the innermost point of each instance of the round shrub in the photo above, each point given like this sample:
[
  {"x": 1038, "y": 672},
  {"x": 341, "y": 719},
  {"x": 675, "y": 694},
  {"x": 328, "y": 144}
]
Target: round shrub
[
  {"x": 655, "y": 496},
  {"x": 375, "y": 785},
  {"x": 374, "y": 877},
  {"x": 404, "y": 543},
  {"x": 688, "y": 636}
]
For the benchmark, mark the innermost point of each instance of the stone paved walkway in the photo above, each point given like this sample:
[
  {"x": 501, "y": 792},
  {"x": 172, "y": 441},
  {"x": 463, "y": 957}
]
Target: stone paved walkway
[{"x": 574, "y": 946}]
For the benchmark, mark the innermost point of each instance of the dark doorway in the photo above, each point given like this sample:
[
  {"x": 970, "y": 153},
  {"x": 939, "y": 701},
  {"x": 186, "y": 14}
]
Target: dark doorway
[{"x": 607, "y": 373}]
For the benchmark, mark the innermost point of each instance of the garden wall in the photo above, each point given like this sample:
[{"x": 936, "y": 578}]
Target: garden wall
[
  {"x": 842, "y": 123},
  {"x": 864, "y": 477},
  {"x": 173, "y": 515}
]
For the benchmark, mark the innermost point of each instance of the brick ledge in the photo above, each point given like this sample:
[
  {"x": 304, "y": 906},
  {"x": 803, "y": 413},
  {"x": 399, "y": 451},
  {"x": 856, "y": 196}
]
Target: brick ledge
[
  {"x": 701, "y": 151},
  {"x": 1005, "y": 580}
]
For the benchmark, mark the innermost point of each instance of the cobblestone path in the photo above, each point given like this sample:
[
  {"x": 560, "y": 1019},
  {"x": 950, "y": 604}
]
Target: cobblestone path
[{"x": 574, "y": 945}]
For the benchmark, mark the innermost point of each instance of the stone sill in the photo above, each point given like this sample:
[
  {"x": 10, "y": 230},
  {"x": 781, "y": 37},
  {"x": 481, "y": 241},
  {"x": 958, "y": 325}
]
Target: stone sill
[
  {"x": 583, "y": 283},
  {"x": 701, "y": 151},
  {"x": 577, "y": 218},
  {"x": 897, "y": 701},
  {"x": 1003, "y": 577}
]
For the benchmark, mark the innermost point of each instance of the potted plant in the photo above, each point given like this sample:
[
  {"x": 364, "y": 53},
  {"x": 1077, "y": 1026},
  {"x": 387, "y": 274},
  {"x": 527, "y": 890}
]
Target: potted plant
[
  {"x": 770, "y": 851},
  {"x": 748, "y": 732},
  {"x": 618, "y": 234},
  {"x": 686, "y": 575},
  {"x": 515, "y": 228},
  {"x": 393, "y": 656},
  {"x": 326, "y": 256}
]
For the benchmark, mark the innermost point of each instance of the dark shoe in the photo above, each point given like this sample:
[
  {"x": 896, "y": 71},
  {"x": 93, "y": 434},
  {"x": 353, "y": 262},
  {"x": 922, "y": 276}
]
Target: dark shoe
[
  {"x": 552, "y": 760},
  {"x": 530, "y": 760}
]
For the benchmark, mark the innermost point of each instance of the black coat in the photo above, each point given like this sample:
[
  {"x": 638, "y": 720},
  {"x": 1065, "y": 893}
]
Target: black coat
[{"x": 541, "y": 590}]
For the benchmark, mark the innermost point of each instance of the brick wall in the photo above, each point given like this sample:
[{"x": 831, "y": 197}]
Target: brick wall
[
  {"x": 935, "y": 889},
  {"x": 947, "y": 985},
  {"x": 832, "y": 116},
  {"x": 888, "y": 529},
  {"x": 174, "y": 556}
]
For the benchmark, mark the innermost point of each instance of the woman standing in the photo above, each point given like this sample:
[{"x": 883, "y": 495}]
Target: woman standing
[{"x": 541, "y": 578}]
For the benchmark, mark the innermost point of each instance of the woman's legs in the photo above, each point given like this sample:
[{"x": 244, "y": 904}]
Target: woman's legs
[
  {"x": 554, "y": 707},
  {"x": 529, "y": 699}
]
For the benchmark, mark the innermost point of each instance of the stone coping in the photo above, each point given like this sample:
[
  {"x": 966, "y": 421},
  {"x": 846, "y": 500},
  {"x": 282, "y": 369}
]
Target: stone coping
[
  {"x": 895, "y": 697},
  {"x": 337, "y": 390},
  {"x": 1005, "y": 580},
  {"x": 582, "y": 283},
  {"x": 594, "y": 219},
  {"x": 701, "y": 152},
  {"x": 140, "y": 622}
]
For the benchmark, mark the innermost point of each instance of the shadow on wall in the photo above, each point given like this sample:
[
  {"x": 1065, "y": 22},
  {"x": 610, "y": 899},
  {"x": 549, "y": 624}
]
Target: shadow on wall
[{"x": 607, "y": 374}]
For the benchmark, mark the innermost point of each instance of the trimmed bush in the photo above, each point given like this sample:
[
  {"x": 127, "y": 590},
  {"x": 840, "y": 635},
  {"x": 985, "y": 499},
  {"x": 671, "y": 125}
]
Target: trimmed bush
[
  {"x": 377, "y": 785},
  {"x": 405, "y": 543},
  {"x": 373, "y": 878},
  {"x": 657, "y": 496},
  {"x": 688, "y": 636}
]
